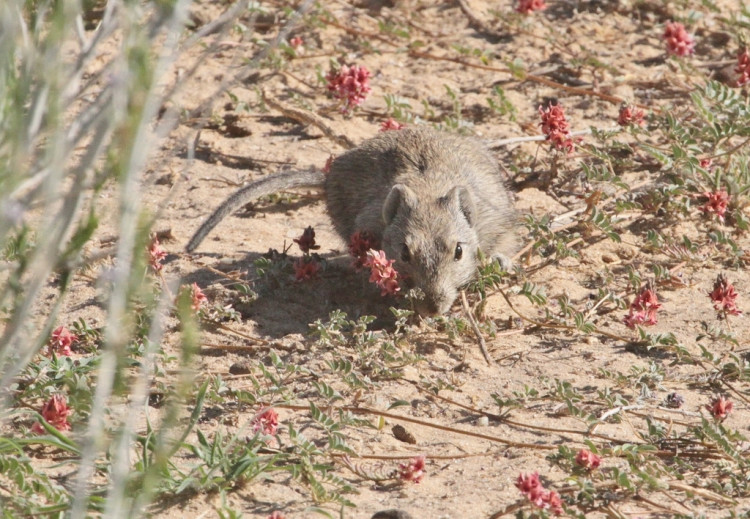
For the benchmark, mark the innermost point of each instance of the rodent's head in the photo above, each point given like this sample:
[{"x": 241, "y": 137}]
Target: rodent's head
[{"x": 433, "y": 242}]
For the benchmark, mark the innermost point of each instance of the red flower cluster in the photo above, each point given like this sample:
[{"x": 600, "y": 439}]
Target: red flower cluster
[
  {"x": 306, "y": 268},
  {"x": 588, "y": 460},
  {"x": 156, "y": 254},
  {"x": 630, "y": 115},
  {"x": 197, "y": 296},
  {"x": 529, "y": 6},
  {"x": 679, "y": 42},
  {"x": 706, "y": 163},
  {"x": 412, "y": 471},
  {"x": 350, "y": 84},
  {"x": 390, "y": 124},
  {"x": 743, "y": 67},
  {"x": 382, "y": 272},
  {"x": 55, "y": 412},
  {"x": 724, "y": 297},
  {"x": 532, "y": 488},
  {"x": 720, "y": 407},
  {"x": 61, "y": 341},
  {"x": 266, "y": 422},
  {"x": 306, "y": 242},
  {"x": 556, "y": 127},
  {"x": 643, "y": 309},
  {"x": 359, "y": 243},
  {"x": 717, "y": 203}
]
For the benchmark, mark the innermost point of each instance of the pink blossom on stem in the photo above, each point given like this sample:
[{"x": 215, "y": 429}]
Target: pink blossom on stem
[
  {"x": 55, "y": 412},
  {"x": 679, "y": 42},
  {"x": 529, "y": 6},
  {"x": 306, "y": 242},
  {"x": 413, "y": 470},
  {"x": 266, "y": 422},
  {"x": 717, "y": 203},
  {"x": 306, "y": 268},
  {"x": 630, "y": 115},
  {"x": 724, "y": 297},
  {"x": 643, "y": 309},
  {"x": 720, "y": 407},
  {"x": 743, "y": 67},
  {"x": 588, "y": 460},
  {"x": 198, "y": 298},
  {"x": 556, "y": 127},
  {"x": 390, "y": 124},
  {"x": 532, "y": 488},
  {"x": 155, "y": 255},
  {"x": 350, "y": 84},
  {"x": 382, "y": 272},
  {"x": 296, "y": 42},
  {"x": 359, "y": 243},
  {"x": 61, "y": 341}
]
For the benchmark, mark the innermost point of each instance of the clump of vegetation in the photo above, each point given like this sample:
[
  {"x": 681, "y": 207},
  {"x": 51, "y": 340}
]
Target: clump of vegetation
[{"x": 110, "y": 413}]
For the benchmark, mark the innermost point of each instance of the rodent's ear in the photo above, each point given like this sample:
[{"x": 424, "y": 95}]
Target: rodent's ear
[
  {"x": 460, "y": 198},
  {"x": 400, "y": 195}
]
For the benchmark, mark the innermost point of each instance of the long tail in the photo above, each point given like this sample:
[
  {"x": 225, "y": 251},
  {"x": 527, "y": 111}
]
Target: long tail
[{"x": 266, "y": 186}]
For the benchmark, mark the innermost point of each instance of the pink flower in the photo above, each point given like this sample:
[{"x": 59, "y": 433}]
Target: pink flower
[
  {"x": 295, "y": 42},
  {"x": 306, "y": 242},
  {"x": 155, "y": 255},
  {"x": 276, "y": 515},
  {"x": 532, "y": 488},
  {"x": 588, "y": 460},
  {"x": 556, "y": 127},
  {"x": 679, "y": 42},
  {"x": 390, "y": 124},
  {"x": 743, "y": 67},
  {"x": 55, "y": 412},
  {"x": 643, "y": 309},
  {"x": 529, "y": 6},
  {"x": 306, "y": 268},
  {"x": 61, "y": 341},
  {"x": 720, "y": 408},
  {"x": 197, "y": 296},
  {"x": 529, "y": 484},
  {"x": 359, "y": 243},
  {"x": 706, "y": 163},
  {"x": 630, "y": 115},
  {"x": 717, "y": 203},
  {"x": 382, "y": 272},
  {"x": 412, "y": 471},
  {"x": 553, "y": 501},
  {"x": 266, "y": 422},
  {"x": 350, "y": 84},
  {"x": 724, "y": 297}
]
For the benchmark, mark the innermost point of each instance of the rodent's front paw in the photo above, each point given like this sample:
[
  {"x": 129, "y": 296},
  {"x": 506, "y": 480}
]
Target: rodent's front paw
[{"x": 505, "y": 262}]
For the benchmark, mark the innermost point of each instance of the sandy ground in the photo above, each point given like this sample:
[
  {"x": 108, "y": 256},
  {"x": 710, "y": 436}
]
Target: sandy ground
[{"x": 465, "y": 475}]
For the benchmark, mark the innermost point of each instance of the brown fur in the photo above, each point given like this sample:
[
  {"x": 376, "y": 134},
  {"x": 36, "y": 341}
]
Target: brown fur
[{"x": 413, "y": 189}]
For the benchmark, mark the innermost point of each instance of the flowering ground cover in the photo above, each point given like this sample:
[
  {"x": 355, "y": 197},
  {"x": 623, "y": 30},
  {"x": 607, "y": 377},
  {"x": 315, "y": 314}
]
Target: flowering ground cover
[{"x": 280, "y": 372}]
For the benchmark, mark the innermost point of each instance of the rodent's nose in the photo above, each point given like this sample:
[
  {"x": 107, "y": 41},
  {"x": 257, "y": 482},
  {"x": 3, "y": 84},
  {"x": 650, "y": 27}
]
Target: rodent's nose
[
  {"x": 433, "y": 306},
  {"x": 427, "y": 308}
]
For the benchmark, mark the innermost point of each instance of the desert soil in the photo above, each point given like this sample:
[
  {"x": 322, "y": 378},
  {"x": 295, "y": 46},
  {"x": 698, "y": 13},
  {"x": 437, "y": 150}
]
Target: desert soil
[{"x": 465, "y": 475}]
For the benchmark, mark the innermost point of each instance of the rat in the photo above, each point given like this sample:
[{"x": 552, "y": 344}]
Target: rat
[{"x": 432, "y": 200}]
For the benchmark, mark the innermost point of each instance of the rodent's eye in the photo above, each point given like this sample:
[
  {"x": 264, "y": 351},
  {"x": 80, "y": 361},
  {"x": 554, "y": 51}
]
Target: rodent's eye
[
  {"x": 458, "y": 253},
  {"x": 405, "y": 254}
]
